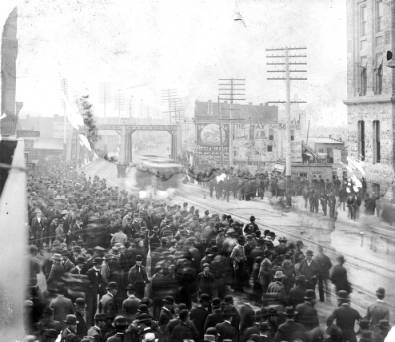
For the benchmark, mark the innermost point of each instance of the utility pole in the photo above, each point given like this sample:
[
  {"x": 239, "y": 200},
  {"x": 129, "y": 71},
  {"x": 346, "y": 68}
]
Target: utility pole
[
  {"x": 287, "y": 57},
  {"x": 231, "y": 90},
  {"x": 220, "y": 131}
]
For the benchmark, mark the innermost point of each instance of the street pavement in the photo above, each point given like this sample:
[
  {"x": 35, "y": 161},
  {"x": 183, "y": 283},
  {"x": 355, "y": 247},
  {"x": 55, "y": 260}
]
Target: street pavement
[{"x": 369, "y": 258}]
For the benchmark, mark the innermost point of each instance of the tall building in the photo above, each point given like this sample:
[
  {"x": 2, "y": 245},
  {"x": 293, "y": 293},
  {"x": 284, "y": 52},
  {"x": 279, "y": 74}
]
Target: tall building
[{"x": 370, "y": 85}]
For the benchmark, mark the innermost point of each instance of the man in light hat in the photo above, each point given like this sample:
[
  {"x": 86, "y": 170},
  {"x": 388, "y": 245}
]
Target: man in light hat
[
  {"x": 345, "y": 316},
  {"x": 379, "y": 310}
]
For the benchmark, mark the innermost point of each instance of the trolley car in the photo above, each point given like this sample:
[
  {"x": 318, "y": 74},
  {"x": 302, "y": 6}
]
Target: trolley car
[{"x": 158, "y": 172}]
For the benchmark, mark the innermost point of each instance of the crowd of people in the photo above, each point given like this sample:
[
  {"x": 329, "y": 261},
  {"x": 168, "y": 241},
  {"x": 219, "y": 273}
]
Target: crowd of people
[
  {"x": 326, "y": 195},
  {"x": 108, "y": 266}
]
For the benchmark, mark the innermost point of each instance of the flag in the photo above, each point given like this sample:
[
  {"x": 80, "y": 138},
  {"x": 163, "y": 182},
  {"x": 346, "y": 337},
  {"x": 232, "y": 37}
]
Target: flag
[
  {"x": 72, "y": 114},
  {"x": 84, "y": 142},
  {"x": 149, "y": 261}
]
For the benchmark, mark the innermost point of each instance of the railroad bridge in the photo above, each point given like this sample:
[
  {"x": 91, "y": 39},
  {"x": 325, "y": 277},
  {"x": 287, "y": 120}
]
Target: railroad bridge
[{"x": 125, "y": 127}]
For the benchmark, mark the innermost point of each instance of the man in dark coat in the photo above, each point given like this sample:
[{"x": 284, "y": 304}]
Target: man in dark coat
[
  {"x": 379, "y": 310},
  {"x": 338, "y": 276},
  {"x": 199, "y": 314},
  {"x": 290, "y": 330},
  {"x": 324, "y": 266},
  {"x": 345, "y": 316},
  {"x": 309, "y": 269},
  {"x": 137, "y": 276},
  {"x": 297, "y": 293},
  {"x": 108, "y": 304},
  {"x": 80, "y": 307},
  {"x": 226, "y": 330},
  {"x": 94, "y": 289},
  {"x": 215, "y": 317},
  {"x": 96, "y": 331},
  {"x": 306, "y": 314},
  {"x": 184, "y": 330},
  {"x": 166, "y": 312}
]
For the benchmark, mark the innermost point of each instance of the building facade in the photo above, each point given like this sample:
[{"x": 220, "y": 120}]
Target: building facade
[
  {"x": 370, "y": 83},
  {"x": 257, "y": 135}
]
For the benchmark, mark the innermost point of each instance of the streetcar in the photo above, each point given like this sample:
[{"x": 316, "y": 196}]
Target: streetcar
[{"x": 158, "y": 172}]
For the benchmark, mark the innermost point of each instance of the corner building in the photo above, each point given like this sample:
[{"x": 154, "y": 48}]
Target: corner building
[{"x": 370, "y": 84}]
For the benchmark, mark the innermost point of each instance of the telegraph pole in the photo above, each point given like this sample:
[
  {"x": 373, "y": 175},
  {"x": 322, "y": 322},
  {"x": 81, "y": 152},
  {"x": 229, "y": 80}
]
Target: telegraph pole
[
  {"x": 287, "y": 57},
  {"x": 231, "y": 89}
]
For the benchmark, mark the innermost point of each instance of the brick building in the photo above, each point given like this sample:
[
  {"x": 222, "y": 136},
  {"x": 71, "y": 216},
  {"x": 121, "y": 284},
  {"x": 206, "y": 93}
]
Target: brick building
[{"x": 370, "y": 83}]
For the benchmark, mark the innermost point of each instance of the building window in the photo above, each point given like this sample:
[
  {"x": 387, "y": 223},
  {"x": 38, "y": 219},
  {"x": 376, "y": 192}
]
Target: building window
[
  {"x": 292, "y": 135},
  {"x": 271, "y": 136},
  {"x": 363, "y": 20},
  {"x": 269, "y": 148},
  {"x": 361, "y": 139},
  {"x": 379, "y": 16},
  {"x": 376, "y": 141},
  {"x": 363, "y": 78}
]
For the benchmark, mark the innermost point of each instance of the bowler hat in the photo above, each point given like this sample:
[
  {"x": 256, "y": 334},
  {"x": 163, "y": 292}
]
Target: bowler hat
[
  {"x": 120, "y": 321},
  {"x": 380, "y": 291},
  {"x": 112, "y": 285},
  {"x": 71, "y": 319},
  {"x": 139, "y": 258},
  {"x": 309, "y": 252},
  {"x": 343, "y": 295}
]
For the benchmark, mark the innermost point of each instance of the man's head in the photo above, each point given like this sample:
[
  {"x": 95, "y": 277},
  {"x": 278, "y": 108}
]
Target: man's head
[
  {"x": 100, "y": 320},
  {"x": 380, "y": 293},
  {"x": 169, "y": 301},
  {"x": 139, "y": 260},
  {"x": 71, "y": 322},
  {"x": 80, "y": 304},
  {"x": 309, "y": 255},
  {"x": 112, "y": 288},
  {"x": 183, "y": 315}
]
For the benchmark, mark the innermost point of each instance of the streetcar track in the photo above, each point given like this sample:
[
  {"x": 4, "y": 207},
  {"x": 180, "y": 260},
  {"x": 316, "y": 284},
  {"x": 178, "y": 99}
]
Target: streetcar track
[{"x": 332, "y": 251}]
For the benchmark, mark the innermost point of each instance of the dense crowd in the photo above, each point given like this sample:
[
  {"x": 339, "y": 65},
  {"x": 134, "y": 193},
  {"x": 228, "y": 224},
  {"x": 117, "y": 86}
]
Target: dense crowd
[
  {"x": 108, "y": 266},
  {"x": 319, "y": 195}
]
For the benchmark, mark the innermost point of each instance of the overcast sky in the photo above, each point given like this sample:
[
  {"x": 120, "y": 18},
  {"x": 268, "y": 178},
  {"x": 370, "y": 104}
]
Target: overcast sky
[{"x": 138, "y": 48}]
